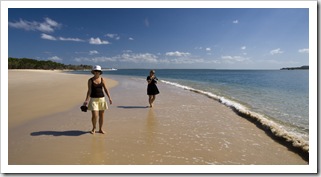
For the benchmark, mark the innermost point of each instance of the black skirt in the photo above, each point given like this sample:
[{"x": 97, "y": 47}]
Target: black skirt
[{"x": 152, "y": 89}]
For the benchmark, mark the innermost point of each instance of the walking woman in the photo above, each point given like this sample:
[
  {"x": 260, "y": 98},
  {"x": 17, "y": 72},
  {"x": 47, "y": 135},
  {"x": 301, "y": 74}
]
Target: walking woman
[
  {"x": 95, "y": 98},
  {"x": 152, "y": 89}
]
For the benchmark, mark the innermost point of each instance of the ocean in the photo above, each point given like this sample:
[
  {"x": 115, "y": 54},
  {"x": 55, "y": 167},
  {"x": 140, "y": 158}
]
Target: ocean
[{"x": 278, "y": 99}]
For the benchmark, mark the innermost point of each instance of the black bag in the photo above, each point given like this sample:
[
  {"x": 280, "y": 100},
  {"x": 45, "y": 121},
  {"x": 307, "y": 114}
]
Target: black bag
[{"x": 84, "y": 108}]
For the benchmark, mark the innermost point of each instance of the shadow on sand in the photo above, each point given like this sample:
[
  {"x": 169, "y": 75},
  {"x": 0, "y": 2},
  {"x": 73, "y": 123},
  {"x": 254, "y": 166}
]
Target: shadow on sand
[{"x": 60, "y": 133}]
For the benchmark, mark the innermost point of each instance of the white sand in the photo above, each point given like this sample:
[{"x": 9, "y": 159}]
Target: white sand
[
  {"x": 183, "y": 128},
  {"x": 36, "y": 93}
]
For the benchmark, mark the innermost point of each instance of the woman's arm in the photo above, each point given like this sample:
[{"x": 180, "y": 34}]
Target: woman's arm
[
  {"x": 88, "y": 92},
  {"x": 150, "y": 79},
  {"x": 107, "y": 91},
  {"x": 155, "y": 80}
]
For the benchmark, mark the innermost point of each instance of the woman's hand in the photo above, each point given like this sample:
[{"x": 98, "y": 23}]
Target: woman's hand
[{"x": 110, "y": 101}]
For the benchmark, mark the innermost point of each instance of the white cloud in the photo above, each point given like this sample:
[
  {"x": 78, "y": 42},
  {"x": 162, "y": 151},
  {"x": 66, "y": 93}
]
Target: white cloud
[
  {"x": 48, "y": 37},
  {"x": 45, "y": 28},
  {"x": 48, "y": 26},
  {"x": 81, "y": 52},
  {"x": 70, "y": 39},
  {"x": 276, "y": 51},
  {"x": 185, "y": 61},
  {"x": 93, "y": 52},
  {"x": 127, "y": 51},
  {"x": 207, "y": 49},
  {"x": 55, "y": 58},
  {"x": 303, "y": 50},
  {"x": 113, "y": 36},
  {"x": 235, "y": 21},
  {"x": 52, "y": 22},
  {"x": 131, "y": 39},
  {"x": 138, "y": 58},
  {"x": 97, "y": 41},
  {"x": 95, "y": 59},
  {"x": 177, "y": 54},
  {"x": 23, "y": 25},
  {"x": 125, "y": 57},
  {"x": 243, "y": 47},
  {"x": 233, "y": 59}
]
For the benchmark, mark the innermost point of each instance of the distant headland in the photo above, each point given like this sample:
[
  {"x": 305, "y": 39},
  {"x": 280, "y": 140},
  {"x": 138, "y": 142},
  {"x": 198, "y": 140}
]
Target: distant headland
[
  {"x": 296, "y": 68},
  {"x": 27, "y": 63}
]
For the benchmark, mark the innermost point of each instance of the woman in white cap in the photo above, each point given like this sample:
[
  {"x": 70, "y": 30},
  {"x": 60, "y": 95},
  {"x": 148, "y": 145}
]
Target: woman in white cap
[{"x": 95, "y": 98}]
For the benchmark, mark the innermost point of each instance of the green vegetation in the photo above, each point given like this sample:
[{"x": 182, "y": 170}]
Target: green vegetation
[
  {"x": 296, "y": 68},
  {"x": 26, "y": 63}
]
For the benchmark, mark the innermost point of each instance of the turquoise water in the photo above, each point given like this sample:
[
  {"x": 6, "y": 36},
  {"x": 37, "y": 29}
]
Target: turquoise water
[{"x": 276, "y": 98}]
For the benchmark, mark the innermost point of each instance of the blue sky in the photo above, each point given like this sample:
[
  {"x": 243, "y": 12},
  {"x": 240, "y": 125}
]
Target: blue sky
[{"x": 214, "y": 38}]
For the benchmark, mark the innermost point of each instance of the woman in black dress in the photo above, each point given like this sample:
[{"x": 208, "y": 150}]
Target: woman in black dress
[{"x": 152, "y": 89}]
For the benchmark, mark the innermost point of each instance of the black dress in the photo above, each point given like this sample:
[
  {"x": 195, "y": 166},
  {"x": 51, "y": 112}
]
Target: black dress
[{"x": 152, "y": 88}]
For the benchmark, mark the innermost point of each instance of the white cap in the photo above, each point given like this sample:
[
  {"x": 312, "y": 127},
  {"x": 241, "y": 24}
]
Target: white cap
[{"x": 96, "y": 68}]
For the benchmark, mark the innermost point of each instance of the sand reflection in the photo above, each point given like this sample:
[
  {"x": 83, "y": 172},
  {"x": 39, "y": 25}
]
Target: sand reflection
[
  {"x": 96, "y": 153},
  {"x": 151, "y": 124}
]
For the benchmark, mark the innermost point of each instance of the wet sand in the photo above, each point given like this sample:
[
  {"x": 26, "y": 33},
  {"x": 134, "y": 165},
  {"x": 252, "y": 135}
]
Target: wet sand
[{"x": 183, "y": 128}]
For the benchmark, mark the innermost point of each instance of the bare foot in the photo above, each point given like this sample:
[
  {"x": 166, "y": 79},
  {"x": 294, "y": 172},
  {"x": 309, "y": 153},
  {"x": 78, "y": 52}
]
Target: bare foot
[
  {"x": 102, "y": 131},
  {"x": 92, "y": 131}
]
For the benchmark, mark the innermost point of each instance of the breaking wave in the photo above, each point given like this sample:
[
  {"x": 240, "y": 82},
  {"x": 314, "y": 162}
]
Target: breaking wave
[{"x": 275, "y": 129}]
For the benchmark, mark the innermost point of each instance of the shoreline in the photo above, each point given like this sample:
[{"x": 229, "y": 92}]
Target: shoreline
[
  {"x": 274, "y": 130},
  {"x": 182, "y": 129}
]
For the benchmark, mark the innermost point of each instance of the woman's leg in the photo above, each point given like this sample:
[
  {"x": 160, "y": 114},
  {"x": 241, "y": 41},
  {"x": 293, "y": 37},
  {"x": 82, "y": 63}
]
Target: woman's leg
[
  {"x": 101, "y": 122},
  {"x": 94, "y": 116},
  {"x": 153, "y": 99},
  {"x": 150, "y": 98}
]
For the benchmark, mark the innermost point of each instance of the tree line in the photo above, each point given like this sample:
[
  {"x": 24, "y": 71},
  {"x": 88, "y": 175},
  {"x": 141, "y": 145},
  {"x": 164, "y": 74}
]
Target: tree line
[
  {"x": 296, "y": 68},
  {"x": 27, "y": 63}
]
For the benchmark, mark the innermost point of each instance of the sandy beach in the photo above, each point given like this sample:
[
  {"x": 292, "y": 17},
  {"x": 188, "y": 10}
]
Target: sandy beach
[
  {"x": 46, "y": 126},
  {"x": 36, "y": 93}
]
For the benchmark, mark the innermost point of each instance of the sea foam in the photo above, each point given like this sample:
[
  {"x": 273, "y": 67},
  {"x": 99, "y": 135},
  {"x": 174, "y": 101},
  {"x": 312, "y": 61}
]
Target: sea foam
[{"x": 267, "y": 124}]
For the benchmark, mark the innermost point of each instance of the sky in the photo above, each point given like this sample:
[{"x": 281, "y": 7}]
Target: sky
[{"x": 162, "y": 38}]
